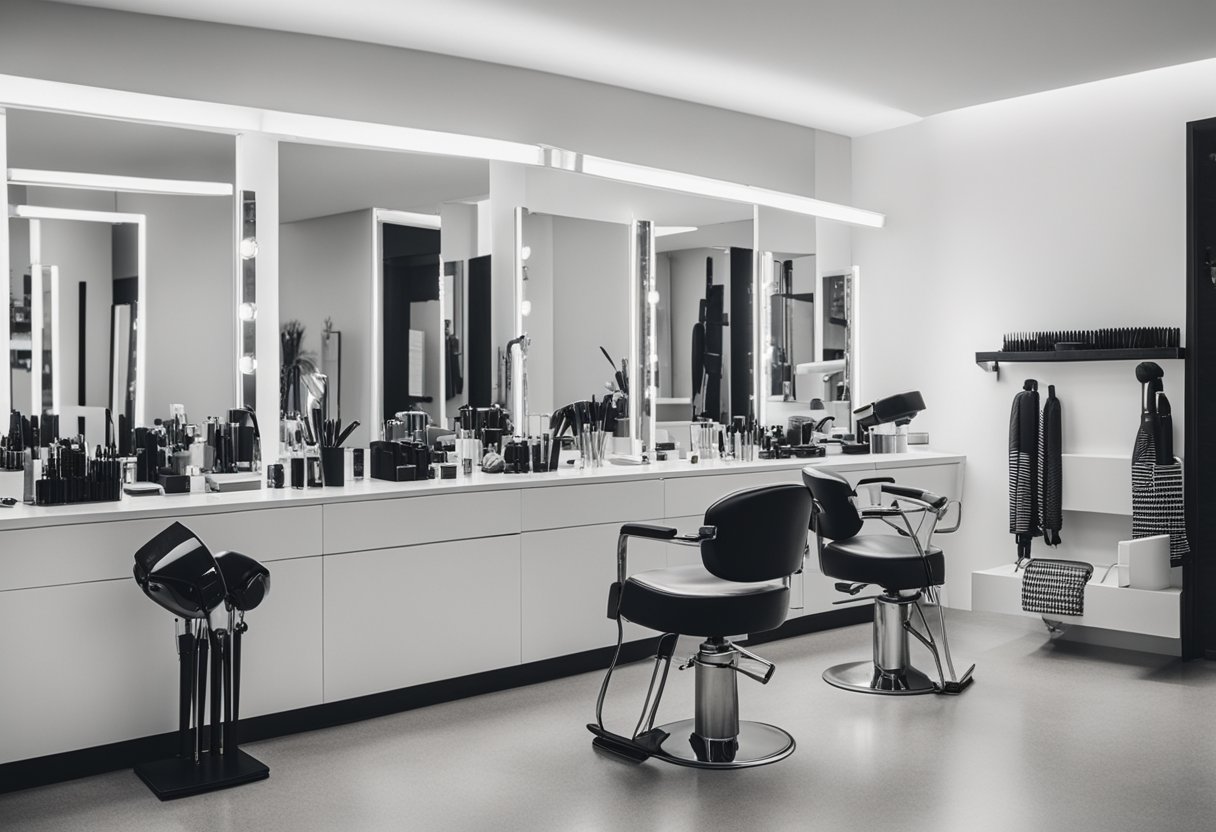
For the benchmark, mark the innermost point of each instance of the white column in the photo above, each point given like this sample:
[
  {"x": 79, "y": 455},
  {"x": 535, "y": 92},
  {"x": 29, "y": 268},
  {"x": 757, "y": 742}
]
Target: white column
[{"x": 257, "y": 170}]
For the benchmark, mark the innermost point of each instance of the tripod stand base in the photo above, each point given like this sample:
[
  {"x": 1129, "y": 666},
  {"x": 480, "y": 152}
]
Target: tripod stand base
[{"x": 173, "y": 778}]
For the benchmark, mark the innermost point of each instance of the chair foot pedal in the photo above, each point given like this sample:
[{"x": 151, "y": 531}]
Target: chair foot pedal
[
  {"x": 631, "y": 751},
  {"x": 955, "y": 688}
]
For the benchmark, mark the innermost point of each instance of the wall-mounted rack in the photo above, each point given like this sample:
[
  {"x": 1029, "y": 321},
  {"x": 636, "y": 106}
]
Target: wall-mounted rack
[{"x": 991, "y": 361}]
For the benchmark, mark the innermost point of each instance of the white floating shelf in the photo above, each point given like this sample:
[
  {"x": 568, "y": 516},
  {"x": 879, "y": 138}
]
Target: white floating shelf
[{"x": 1107, "y": 605}]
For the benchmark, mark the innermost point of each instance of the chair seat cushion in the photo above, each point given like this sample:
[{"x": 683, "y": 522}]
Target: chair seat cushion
[
  {"x": 691, "y": 601},
  {"x": 885, "y": 560}
]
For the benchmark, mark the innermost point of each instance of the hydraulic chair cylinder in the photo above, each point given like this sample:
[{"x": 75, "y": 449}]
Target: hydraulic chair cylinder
[
  {"x": 717, "y": 713},
  {"x": 890, "y": 635}
]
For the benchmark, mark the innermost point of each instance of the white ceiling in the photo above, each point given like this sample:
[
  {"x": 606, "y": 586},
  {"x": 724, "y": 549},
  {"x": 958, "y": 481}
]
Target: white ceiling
[
  {"x": 50, "y": 141},
  {"x": 848, "y": 67}
]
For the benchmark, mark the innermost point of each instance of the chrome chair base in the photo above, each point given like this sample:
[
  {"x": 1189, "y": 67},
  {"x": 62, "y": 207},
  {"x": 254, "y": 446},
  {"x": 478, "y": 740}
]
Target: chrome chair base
[
  {"x": 757, "y": 744},
  {"x": 864, "y": 677}
]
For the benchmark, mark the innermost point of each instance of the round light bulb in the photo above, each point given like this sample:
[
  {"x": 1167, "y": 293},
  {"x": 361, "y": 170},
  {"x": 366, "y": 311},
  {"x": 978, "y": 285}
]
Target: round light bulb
[
  {"x": 248, "y": 248},
  {"x": 525, "y": 308},
  {"x": 248, "y": 364},
  {"x": 247, "y": 311},
  {"x": 525, "y": 252}
]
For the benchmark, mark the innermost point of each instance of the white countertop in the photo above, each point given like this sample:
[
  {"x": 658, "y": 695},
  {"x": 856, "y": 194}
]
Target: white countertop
[{"x": 23, "y": 516}]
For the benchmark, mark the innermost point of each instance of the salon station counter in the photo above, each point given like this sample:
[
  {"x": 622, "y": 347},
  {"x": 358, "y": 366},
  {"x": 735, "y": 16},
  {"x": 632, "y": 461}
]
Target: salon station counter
[{"x": 376, "y": 587}]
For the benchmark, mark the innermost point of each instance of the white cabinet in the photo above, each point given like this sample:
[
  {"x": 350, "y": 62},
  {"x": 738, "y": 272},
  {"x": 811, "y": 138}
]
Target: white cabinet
[
  {"x": 405, "y": 616},
  {"x": 566, "y": 576},
  {"x": 94, "y": 663}
]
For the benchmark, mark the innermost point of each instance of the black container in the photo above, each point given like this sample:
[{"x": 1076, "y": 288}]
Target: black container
[
  {"x": 274, "y": 475},
  {"x": 333, "y": 466},
  {"x": 297, "y": 472}
]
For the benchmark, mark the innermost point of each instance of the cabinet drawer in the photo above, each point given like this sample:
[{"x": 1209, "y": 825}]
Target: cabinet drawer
[
  {"x": 56, "y": 555},
  {"x": 692, "y": 495},
  {"x": 409, "y": 521},
  {"x": 567, "y": 505}
]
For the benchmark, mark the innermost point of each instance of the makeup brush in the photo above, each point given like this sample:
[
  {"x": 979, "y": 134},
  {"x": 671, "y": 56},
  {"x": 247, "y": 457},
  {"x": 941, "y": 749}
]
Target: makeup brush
[{"x": 342, "y": 437}]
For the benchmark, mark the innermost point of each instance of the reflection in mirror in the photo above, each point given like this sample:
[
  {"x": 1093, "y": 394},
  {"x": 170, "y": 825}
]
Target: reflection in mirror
[
  {"x": 73, "y": 316},
  {"x": 575, "y": 308},
  {"x": 705, "y": 320},
  {"x": 807, "y": 321},
  {"x": 378, "y": 273},
  {"x": 791, "y": 299},
  {"x": 413, "y": 321},
  {"x": 124, "y": 300}
]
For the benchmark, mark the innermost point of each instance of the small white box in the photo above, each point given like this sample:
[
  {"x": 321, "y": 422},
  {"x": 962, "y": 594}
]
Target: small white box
[
  {"x": 1149, "y": 562},
  {"x": 1124, "y": 564}
]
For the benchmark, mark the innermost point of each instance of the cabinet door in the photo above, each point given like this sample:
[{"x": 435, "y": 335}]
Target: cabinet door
[
  {"x": 406, "y": 616},
  {"x": 566, "y": 576}
]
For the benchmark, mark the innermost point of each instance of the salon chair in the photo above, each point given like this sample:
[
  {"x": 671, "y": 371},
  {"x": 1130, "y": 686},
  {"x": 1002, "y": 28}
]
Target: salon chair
[
  {"x": 751, "y": 542},
  {"x": 904, "y": 566},
  {"x": 177, "y": 571}
]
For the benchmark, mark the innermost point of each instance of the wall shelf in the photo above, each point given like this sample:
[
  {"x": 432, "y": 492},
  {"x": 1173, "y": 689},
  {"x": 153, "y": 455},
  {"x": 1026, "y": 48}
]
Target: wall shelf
[
  {"x": 1107, "y": 605},
  {"x": 991, "y": 361}
]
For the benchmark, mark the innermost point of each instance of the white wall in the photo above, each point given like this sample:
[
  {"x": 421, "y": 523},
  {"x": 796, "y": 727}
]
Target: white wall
[
  {"x": 327, "y": 76},
  {"x": 1059, "y": 210},
  {"x": 590, "y": 305},
  {"x": 326, "y": 272}
]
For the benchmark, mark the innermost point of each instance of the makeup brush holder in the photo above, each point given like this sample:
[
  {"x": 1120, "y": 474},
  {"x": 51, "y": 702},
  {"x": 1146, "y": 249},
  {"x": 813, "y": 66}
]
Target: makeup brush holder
[{"x": 333, "y": 467}]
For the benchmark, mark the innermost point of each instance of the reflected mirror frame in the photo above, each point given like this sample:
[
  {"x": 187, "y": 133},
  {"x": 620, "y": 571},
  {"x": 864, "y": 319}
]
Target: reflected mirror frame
[
  {"x": 380, "y": 218},
  {"x": 35, "y": 214}
]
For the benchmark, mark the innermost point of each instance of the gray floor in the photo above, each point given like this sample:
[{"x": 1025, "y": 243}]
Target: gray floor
[{"x": 1052, "y": 736}]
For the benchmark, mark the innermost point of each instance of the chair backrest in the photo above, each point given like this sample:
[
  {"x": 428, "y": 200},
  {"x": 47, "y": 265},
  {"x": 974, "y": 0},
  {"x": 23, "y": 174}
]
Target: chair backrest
[
  {"x": 836, "y": 516},
  {"x": 761, "y": 533}
]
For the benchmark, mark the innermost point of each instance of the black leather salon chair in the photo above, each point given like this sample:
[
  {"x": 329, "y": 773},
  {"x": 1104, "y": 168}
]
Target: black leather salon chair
[
  {"x": 751, "y": 543},
  {"x": 904, "y": 566}
]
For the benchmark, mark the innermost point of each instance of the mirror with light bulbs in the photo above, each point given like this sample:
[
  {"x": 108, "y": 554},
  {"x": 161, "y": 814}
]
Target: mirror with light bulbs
[
  {"x": 380, "y": 259},
  {"x": 128, "y": 230}
]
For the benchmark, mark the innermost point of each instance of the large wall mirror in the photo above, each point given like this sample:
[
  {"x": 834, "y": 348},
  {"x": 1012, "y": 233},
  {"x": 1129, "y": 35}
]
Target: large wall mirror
[
  {"x": 808, "y": 318},
  {"x": 121, "y": 242},
  {"x": 383, "y": 280},
  {"x": 579, "y": 263},
  {"x": 575, "y": 307}
]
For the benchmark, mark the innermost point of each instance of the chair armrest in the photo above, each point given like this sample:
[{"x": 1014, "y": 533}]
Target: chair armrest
[
  {"x": 873, "y": 480},
  {"x": 648, "y": 530},
  {"x": 934, "y": 501}
]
